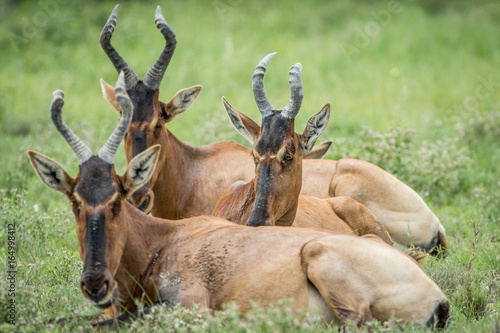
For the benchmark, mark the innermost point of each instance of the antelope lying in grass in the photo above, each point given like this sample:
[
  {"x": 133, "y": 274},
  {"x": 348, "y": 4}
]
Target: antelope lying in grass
[
  {"x": 130, "y": 256},
  {"x": 272, "y": 197},
  {"x": 190, "y": 180}
]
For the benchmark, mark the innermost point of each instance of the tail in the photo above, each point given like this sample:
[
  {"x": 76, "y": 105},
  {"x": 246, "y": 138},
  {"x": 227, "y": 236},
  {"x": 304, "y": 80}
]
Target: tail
[{"x": 441, "y": 248}]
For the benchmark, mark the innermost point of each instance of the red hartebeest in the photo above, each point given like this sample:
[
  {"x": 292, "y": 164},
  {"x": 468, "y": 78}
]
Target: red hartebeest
[
  {"x": 272, "y": 197},
  {"x": 190, "y": 180},
  {"x": 130, "y": 256}
]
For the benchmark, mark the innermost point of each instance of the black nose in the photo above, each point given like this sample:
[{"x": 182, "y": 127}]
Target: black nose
[
  {"x": 95, "y": 287},
  {"x": 255, "y": 222},
  {"x": 96, "y": 297}
]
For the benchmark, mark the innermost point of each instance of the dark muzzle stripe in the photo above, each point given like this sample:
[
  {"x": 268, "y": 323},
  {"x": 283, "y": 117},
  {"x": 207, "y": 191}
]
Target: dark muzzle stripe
[
  {"x": 139, "y": 142},
  {"x": 95, "y": 257},
  {"x": 260, "y": 212}
]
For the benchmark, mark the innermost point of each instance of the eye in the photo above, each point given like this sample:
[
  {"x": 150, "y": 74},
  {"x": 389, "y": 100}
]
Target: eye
[
  {"x": 288, "y": 157},
  {"x": 114, "y": 203},
  {"x": 76, "y": 207},
  {"x": 73, "y": 201}
]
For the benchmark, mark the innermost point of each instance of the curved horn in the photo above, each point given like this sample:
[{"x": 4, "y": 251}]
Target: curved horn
[
  {"x": 131, "y": 77},
  {"x": 296, "y": 94},
  {"x": 83, "y": 153},
  {"x": 108, "y": 151},
  {"x": 258, "y": 85},
  {"x": 153, "y": 77}
]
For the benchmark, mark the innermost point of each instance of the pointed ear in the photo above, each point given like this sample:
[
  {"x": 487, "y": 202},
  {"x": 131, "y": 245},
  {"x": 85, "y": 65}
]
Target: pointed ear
[
  {"x": 319, "y": 151},
  {"x": 140, "y": 170},
  {"x": 314, "y": 128},
  {"x": 180, "y": 102},
  {"x": 244, "y": 125},
  {"x": 108, "y": 92},
  {"x": 51, "y": 173}
]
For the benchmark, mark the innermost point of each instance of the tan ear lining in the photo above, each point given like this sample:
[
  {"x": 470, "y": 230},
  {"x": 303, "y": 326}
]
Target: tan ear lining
[
  {"x": 319, "y": 151},
  {"x": 108, "y": 91}
]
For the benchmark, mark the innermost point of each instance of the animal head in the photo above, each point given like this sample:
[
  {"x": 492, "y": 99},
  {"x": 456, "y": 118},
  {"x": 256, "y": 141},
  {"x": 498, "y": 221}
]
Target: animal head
[
  {"x": 98, "y": 196},
  {"x": 277, "y": 149},
  {"x": 150, "y": 114}
]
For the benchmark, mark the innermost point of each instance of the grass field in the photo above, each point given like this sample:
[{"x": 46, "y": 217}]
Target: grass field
[{"x": 415, "y": 89}]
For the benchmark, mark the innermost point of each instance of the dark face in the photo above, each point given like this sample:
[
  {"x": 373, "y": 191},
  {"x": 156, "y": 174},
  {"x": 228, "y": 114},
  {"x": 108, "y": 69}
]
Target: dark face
[
  {"x": 278, "y": 170},
  {"x": 146, "y": 130},
  {"x": 97, "y": 201}
]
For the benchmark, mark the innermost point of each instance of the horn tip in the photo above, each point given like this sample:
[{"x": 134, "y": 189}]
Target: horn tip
[
  {"x": 158, "y": 12},
  {"x": 56, "y": 104},
  {"x": 268, "y": 57},
  {"x": 263, "y": 63},
  {"x": 115, "y": 11},
  {"x": 57, "y": 94},
  {"x": 296, "y": 69}
]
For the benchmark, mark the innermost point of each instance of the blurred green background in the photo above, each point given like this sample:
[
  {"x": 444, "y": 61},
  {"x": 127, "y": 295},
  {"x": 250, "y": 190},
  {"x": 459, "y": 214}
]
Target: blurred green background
[
  {"x": 416, "y": 64},
  {"x": 414, "y": 87}
]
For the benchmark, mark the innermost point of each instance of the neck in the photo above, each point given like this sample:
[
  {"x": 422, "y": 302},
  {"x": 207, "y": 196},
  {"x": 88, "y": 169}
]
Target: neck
[
  {"x": 147, "y": 236},
  {"x": 236, "y": 203},
  {"x": 173, "y": 163}
]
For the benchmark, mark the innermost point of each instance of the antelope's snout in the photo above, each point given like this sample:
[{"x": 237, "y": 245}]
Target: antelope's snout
[
  {"x": 98, "y": 287},
  {"x": 257, "y": 220}
]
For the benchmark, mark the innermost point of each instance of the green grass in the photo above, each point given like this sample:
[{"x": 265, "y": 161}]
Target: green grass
[{"x": 423, "y": 73}]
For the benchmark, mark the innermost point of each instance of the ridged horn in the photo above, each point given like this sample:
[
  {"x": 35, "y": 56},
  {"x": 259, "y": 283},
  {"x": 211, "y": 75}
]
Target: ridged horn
[
  {"x": 131, "y": 77},
  {"x": 258, "y": 85},
  {"x": 108, "y": 150},
  {"x": 296, "y": 93},
  {"x": 83, "y": 153},
  {"x": 153, "y": 77}
]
